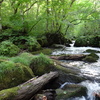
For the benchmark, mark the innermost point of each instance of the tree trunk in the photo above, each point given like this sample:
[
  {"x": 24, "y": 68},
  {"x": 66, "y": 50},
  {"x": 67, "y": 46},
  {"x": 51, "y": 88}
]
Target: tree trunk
[
  {"x": 78, "y": 57},
  {"x": 28, "y": 89},
  {"x": 0, "y": 16}
]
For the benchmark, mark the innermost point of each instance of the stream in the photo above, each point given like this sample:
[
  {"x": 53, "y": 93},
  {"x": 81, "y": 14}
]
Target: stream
[{"x": 91, "y": 70}]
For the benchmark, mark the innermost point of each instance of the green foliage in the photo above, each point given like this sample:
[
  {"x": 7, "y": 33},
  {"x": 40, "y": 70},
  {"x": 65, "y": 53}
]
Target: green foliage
[
  {"x": 7, "y": 48},
  {"x": 12, "y": 74},
  {"x": 27, "y": 43},
  {"x": 41, "y": 64},
  {"x": 32, "y": 44},
  {"x": 39, "y": 17},
  {"x": 88, "y": 41}
]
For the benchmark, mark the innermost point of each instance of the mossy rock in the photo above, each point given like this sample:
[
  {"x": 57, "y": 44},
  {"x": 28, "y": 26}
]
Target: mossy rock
[
  {"x": 7, "y": 48},
  {"x": 92, "y": 41},
  {"x": 24, "y": 58},
  {"x": 13, "y": 74},
  {"x": 46, "y": 51},
  {"x": 8, "y": 94},
  {"x": 71, "y": 90},
  {"x": 41, "y": 64},
  {"x": 91, "y": 51},
  {"x": 91, "y": 58}
]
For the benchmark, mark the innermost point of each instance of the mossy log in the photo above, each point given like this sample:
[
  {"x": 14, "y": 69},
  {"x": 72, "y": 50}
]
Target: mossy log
[
  {"x": 69, "y": 57},
  {"x": 28, "y": 89}
]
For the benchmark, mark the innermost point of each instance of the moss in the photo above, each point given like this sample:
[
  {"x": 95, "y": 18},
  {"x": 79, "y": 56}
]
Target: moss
[
  {"x": 41, "y": 64},
  {"x": 91, "y": 58},
  {"x": 8, "y": 49},
  {"x": 12, "y": 74},
  {"x": 72, "y": 90},
  {"x": 8, "y": 94},
  {"x": 24, "y": 58},
  {"x": 46, "y": 51},
  {"x": 92, "y": 51}
]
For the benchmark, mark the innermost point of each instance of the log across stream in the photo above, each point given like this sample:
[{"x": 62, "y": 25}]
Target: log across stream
[{"x": 28, "y": 89}]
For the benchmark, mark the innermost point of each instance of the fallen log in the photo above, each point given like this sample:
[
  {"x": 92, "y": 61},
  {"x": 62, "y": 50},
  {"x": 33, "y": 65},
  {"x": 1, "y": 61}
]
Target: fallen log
[
  {"x": 28, "y": 89},
  {"x": 69, "y": 57}
]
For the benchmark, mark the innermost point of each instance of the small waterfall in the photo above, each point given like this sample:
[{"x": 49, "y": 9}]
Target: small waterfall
[{"x": 72, "y": 44}]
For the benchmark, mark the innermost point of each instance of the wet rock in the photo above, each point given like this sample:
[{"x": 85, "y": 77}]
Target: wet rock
[
  {"x": 97, "y": 96},
  {"x": 91, "y": 51},
  {"x": 70, "y": 90},
  {"x": 49, "y": 94},
  {"x": 68, "y": 74},
  {"x": 58, "y": 46},
  {"x": 91, "y": 58},
  {"x": 13, "y": 74}
]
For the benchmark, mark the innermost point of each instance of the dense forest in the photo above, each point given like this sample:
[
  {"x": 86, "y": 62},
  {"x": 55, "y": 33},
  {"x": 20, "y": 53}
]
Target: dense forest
[
  {"x": 31, "y": 30},
  {"x": 37, "y": 17}
]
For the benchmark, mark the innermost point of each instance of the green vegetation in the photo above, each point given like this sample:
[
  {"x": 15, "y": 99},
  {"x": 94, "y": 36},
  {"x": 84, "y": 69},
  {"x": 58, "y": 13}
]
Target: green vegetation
[
  {"x": 91, "y": 51},
  {"x": 29, "y": 27},
  {"x": 7, "y": 48},
  {"x": 91, "y": 58},
  {"x": 22, "y": 18},
  {"x": 88, "y": 41},
  {"x": 41, "y": 64},
  {"x": 8, "y": 94},
  {"x": 12, "y": 74},
  {"x": 72, "y": 90}
]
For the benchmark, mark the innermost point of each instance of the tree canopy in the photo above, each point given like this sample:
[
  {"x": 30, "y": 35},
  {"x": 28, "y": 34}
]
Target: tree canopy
[{"x": 36, "y": 17}]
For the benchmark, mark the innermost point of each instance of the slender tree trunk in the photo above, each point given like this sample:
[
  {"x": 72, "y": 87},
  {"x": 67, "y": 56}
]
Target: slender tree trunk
[
  {"x": 0, "y": 19},
  {"x": 47, "y": 11},
  {"x": 38, "y": 7}
]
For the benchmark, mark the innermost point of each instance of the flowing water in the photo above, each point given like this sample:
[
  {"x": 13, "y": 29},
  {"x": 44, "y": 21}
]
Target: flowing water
[{"x": 91, "y": 70}]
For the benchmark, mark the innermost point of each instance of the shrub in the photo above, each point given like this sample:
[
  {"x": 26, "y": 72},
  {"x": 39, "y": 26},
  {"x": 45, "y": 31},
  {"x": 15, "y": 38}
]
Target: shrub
[
  {"x": 7, "y": 48},
  {"x": 88, "y": 41},
  {"x": 27, "y": 43},
  {"x": 32, "y": 44}
]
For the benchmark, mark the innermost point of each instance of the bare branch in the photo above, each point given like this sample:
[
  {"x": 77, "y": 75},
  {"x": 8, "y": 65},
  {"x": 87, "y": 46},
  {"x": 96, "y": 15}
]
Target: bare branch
[{"x": 30, "y": 7}]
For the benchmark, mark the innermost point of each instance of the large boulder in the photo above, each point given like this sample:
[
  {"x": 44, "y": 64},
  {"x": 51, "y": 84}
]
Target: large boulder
[
  {"x": 13, "y": 74},
  {"x": 93, "y": 41},
  {"x": 7, "y": 48},
  {"x": 70, "y": 91},
  {"x": 41, "y": 64}
]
